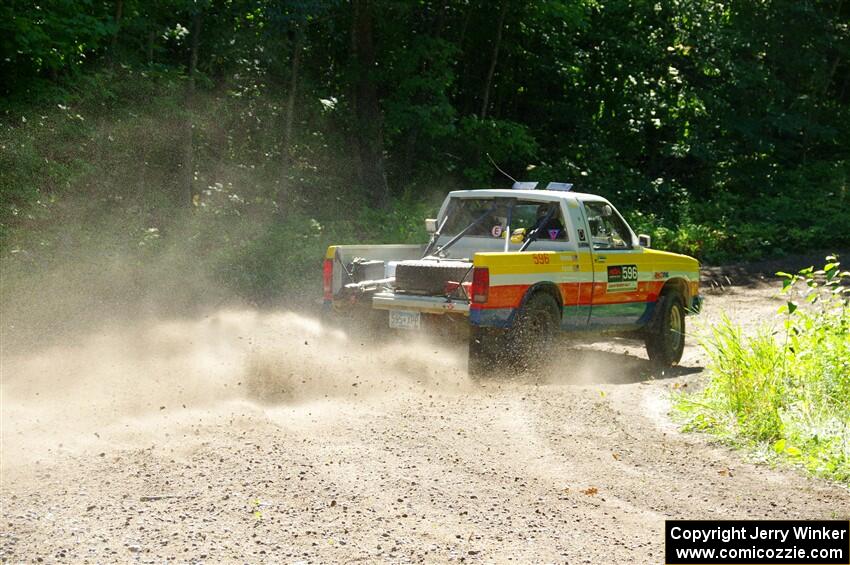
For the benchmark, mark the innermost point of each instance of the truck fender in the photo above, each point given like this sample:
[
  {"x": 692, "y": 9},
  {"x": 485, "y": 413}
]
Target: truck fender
[
  {"x": 679, "y": 286},
  {"x": 547, "y": 287}
]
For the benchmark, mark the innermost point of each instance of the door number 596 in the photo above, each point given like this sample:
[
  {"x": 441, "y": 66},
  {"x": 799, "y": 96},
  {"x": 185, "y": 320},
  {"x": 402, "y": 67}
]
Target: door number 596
[{"x": 540, "y": 259}]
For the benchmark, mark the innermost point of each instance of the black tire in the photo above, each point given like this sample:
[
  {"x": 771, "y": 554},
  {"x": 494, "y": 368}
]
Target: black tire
[
  {"x": 665, "y": 337},
  {"x": 534, "y": 331},
  {"x": 486, "y": 353}
]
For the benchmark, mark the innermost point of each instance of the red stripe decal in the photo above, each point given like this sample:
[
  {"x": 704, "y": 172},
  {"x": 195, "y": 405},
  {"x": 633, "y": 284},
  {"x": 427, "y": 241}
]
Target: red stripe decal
[{"x": 575, "y": 294}]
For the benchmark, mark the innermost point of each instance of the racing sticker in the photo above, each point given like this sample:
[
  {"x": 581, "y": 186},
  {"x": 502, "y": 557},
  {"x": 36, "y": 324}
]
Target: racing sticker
[
  {"x": 622, "y": 278},
  {"x": 496, "y": 231}
]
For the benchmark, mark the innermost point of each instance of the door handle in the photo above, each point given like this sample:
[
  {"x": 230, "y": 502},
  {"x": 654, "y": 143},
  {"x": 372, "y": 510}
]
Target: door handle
[{"x": 600, "y": 258}]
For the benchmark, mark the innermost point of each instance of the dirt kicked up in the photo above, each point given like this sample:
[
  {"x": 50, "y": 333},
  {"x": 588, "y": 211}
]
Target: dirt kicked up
[{"x": 249, "y": 436}]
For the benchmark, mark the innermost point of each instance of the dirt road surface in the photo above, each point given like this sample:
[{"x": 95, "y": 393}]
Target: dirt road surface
[{"x": 254, "y": 437}]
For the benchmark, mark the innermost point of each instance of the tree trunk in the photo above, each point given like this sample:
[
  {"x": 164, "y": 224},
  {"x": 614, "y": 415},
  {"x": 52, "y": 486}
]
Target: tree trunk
[
  {"x": 119, "y": 11},
  {"x": 188, "y": 146},
  {"x": 412, "y": 135},
  {"x": 462, "y": 38},
  {"x": 285, "y": 196},
  {"x": 193, "y": 55},
  {"x": 410, "y": 152},
  {"x": 289, "y": 115},
  {"x": 489, "y": 82},
  {"x": 370, "y": 139},
  {"x": 149, "y": 48}
]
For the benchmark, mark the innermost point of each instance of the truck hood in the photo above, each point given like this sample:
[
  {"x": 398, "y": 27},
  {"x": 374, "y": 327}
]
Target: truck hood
[{"x": 675, "y": 261}]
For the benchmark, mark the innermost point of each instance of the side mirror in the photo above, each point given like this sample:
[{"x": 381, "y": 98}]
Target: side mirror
[
  {"x": 644, "y": 240},
  {"x": 431, "y": 225},
  {"x": 518, "y": 235}
]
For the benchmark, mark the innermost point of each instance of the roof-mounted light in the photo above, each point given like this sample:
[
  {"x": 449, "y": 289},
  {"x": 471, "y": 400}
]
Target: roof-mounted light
[
  {"x": 562, "y": 186},
  {"x": 524, "y": 185}
]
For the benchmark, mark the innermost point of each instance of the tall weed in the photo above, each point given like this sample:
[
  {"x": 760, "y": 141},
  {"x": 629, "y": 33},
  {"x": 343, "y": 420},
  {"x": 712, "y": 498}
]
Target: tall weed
[{"x": 785, "y": 393}]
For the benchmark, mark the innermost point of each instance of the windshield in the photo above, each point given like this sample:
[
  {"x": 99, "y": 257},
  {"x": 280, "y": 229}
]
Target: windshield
[{"x": 527, "y": 214}]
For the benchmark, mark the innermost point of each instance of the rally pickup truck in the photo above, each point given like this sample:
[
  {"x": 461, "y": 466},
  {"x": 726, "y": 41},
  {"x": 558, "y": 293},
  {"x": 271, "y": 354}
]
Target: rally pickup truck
[{"x": 514, "y": 267}]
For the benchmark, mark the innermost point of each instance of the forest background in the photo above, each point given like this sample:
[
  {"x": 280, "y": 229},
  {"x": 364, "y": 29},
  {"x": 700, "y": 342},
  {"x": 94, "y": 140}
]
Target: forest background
[{"x": 227, "y": 142}]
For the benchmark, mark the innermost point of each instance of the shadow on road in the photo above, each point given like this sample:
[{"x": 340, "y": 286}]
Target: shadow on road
[
  {"x": 585, "y": 366},
  {"x": 754, "y": 273}
]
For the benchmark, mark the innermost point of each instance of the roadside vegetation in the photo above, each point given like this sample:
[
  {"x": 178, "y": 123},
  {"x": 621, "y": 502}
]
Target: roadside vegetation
[{"x": 784, "y": 393}]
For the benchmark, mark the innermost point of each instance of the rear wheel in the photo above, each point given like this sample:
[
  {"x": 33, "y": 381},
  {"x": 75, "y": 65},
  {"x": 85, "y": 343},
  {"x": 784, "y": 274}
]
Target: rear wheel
[
  {"x": 486, "y": 353},
  {"x": 665, "y": 339},
  {"x": 534, "y": 330},
  {"x": 495, "y": 352}
]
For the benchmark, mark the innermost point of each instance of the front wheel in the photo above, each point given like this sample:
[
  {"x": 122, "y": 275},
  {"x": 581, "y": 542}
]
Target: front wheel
[{"x": 665, "y": 339}]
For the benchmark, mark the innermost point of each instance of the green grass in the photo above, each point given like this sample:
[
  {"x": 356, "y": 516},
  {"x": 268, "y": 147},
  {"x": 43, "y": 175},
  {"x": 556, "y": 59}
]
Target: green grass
[{"x": 785, "y": 395}]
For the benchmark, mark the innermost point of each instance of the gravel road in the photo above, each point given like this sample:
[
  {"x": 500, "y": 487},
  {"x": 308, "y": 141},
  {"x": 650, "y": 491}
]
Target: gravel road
[{"x": 253, "y": 437}]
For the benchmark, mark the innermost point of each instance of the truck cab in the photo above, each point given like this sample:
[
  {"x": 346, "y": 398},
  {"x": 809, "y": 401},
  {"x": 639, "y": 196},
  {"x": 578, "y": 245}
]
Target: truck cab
[{"x": 518, "y": 266}]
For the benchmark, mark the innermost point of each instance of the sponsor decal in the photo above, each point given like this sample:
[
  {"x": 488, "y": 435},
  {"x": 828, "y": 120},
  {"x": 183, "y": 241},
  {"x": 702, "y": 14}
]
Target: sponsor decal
[
  {"x": 622, "y": 278},
  {"x": 581, "y": 236},
  {"x": 496, "y": 231},
  {"x": 553, "y": 234},
  {"x": 661, "y": 275}
]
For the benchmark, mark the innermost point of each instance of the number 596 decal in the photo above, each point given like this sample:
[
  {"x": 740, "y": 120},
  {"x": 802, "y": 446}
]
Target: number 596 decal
[
  {"x": 540, "y": 259},
  {"x": 622, "y": 278}
]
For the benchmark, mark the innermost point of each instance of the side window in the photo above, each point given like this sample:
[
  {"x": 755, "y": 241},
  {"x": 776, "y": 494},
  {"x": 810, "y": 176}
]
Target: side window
[
  {"x": 531, "y": 215},
  {"x": 525, "y": 214},
  {"x": 607, "y": 229}
]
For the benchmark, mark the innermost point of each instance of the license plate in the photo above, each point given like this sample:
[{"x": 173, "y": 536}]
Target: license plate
[{"x": 405, "y": 320}]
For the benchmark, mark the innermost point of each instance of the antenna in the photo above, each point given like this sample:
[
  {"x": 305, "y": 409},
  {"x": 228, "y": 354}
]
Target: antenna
[{"x": 498, "y": 169}]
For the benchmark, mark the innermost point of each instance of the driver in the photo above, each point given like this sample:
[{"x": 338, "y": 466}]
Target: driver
[{"x": 547, "y": 228}]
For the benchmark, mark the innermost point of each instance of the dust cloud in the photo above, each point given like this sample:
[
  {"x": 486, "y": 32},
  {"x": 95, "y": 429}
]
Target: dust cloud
[
  {"x": 152, "y": 380},
  {"x": 101, "y": 348},
  {"x": 137, "y": 384},
  {"x": 108, "y": 343}
]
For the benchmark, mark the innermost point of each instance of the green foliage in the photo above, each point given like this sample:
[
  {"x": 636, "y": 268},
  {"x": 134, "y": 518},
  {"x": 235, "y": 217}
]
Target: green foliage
[
  {"x": 506, "y": 142},
  {"x": 52, "y": 36},
  {"x": 787, "y": 393},
  {"x": 719, "y": 130},
  {"x": 84, "y": 186},
  {"x": 697, "y": 240},
  {"x": 275, "y": 262},
  {"x": 283, "y": 256}
]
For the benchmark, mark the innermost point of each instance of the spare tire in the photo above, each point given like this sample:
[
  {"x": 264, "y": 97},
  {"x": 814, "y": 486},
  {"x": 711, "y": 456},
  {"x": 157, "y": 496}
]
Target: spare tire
[{"x": 429, "y": 277}]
